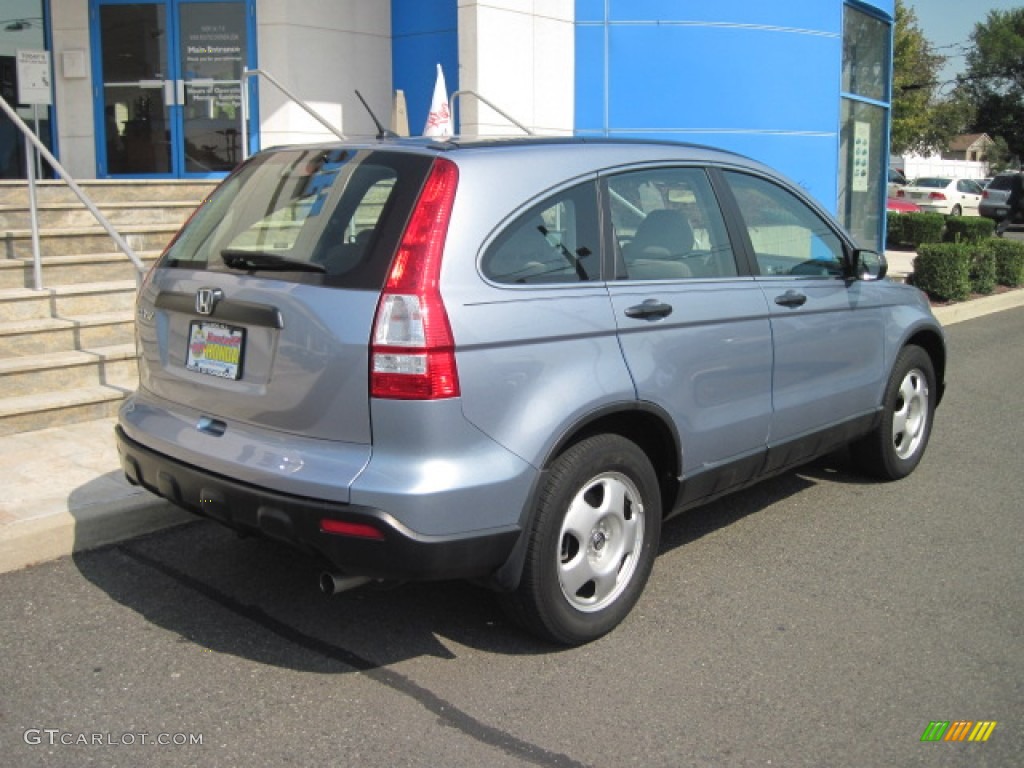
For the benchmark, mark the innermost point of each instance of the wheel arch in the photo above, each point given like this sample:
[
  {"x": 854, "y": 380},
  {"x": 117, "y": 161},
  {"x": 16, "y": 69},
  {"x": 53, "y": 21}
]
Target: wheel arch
[
  {"x": 932, "y": 343},
  {"x": 645, "y": 424}
]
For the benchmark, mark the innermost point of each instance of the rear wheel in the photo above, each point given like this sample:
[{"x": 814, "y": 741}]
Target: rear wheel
[
  {"x": 896, "y": 447},
  {"x": 592, "y": 545},
  {"x": 957, "y": 210}
]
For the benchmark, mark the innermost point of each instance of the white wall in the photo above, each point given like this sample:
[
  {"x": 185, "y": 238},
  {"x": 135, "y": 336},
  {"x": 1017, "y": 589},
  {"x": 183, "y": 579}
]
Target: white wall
[
  {"x": 520, "y": 55},
  {"x": 73, "y": 95},
  {"x": 322, "y": 51},
  {"x": 916, "y": 166}
]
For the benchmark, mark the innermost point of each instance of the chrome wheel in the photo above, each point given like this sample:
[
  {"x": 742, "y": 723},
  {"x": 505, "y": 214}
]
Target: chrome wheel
[
  {"x": 910, "y": 414},
  {"x": 600, "y": 541}
]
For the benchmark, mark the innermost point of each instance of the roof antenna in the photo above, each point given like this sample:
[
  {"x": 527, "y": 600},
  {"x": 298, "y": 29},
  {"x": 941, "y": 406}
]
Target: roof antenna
[{"x": 382, "y": 132}]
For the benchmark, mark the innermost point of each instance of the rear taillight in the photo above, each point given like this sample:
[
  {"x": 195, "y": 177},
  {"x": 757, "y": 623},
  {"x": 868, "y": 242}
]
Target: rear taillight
[
  {"x": 984, "y": 194},
  {"x": 936, "y": 196},
  {"x": 412, "y": 352},
  {"x": 900, "y": 193}
]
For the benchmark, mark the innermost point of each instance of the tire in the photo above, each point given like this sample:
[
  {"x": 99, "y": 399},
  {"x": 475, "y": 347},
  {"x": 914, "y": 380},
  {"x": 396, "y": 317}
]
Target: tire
[
  {"x": 957, "y": 210},
  {"x": 592, "y": 543},
  {"x": 895, "y": 448}
]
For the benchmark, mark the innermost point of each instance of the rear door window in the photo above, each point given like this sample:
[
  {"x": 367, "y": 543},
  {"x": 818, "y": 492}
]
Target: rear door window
[
  {"x": 331, "y": 216},
  {"x": 667, "y": 226}
]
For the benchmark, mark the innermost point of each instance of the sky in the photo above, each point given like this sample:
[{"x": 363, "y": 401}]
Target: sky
[{"x": 948, "y": 24}]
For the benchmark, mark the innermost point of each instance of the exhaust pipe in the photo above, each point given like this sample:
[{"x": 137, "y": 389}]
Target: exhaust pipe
[{"x": 335, "y": 583}]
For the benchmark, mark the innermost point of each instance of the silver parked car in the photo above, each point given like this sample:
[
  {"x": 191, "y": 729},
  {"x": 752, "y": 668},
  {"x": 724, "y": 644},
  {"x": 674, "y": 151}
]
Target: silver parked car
[{"x": 510, "y": 361}]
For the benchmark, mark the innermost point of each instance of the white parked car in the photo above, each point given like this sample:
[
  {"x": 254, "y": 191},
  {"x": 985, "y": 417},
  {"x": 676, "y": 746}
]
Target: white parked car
[{"x": 944, "y": 194}]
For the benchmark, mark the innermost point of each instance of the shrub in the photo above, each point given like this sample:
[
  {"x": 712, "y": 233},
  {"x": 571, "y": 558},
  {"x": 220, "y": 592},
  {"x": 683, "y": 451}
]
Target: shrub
[
  {"x": 983, "y": 267},
  {"x": 968, "y": 229},
  {"x": 1009, "y": 258},
  {"x": 943, "y": 270},
  {"x": 893, "y": 227},
  {"x": 921, "y": 228}
]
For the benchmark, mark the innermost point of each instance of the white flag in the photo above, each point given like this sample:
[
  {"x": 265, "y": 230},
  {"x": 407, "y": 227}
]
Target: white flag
[{"x": 439, "y": 121}]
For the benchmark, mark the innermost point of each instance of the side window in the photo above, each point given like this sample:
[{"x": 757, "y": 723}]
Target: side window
[
  {"x": 788, "y": 237},
  {"x": 556, "y": 241},
  {"x": 668, "y": 226}
]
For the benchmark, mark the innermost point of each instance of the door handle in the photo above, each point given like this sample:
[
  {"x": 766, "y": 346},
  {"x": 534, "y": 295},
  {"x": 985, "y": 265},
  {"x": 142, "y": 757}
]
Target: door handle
[
  {"x": 651, "y": 309},
  {"x": 791, "y": 298}
]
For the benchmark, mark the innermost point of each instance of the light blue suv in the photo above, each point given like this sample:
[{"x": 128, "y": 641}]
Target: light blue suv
[{"x": 510, "y": 361}]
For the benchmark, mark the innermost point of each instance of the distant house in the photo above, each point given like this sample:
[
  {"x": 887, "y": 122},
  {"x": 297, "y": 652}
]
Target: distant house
[{"x": 969, "y": 146}]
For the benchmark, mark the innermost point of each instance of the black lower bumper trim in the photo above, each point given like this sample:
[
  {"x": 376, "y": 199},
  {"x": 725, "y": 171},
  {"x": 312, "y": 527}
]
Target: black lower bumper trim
[{"x": 399, "y": 554}]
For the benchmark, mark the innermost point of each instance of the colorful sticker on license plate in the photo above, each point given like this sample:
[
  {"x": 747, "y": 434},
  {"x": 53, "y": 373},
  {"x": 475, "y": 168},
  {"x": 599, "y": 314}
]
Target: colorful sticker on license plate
[{"x": 215, "y": 349}]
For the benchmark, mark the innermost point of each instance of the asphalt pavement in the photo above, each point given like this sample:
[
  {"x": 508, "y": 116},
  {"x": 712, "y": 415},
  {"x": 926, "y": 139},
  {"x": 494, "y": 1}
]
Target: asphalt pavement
[{"x": 816, "y": 619}]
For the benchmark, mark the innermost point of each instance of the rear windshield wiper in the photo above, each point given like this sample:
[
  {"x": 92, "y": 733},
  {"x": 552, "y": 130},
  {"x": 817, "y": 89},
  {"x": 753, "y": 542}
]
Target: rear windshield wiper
[{"x": 258, "y": 260}]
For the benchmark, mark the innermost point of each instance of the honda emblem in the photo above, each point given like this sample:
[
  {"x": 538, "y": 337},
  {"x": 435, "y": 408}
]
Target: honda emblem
[{"x": 206, "y": 300}]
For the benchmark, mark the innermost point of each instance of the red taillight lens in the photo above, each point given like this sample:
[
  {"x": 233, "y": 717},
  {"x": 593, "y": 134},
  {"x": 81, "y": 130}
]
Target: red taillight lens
[
  {"x": 900, "y": 193},
  {"x": 412, "y": 352},
  {"x": 355, "y": 530},
  {"x": 936, "y": 196}
]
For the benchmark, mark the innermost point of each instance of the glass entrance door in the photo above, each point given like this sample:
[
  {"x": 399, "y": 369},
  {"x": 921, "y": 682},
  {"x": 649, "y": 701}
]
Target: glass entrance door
[{"x": 171, "y": 91}]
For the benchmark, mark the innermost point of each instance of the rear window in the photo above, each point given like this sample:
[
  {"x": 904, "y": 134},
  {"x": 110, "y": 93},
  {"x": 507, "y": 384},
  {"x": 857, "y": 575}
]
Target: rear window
[
  {"x": 932, "y": 183},
  {"x": 328, "y": 216},
  {"x": 1001, "y": 182}
]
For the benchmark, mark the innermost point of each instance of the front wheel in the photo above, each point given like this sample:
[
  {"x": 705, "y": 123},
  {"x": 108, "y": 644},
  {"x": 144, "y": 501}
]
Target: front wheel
[
  {"x": 592, "y": 544},
  {"x": 895, "y": 448}
]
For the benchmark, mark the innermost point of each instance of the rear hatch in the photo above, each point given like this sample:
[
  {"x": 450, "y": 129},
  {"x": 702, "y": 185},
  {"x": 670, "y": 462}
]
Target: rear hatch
[{"x": 261, "y": 310}]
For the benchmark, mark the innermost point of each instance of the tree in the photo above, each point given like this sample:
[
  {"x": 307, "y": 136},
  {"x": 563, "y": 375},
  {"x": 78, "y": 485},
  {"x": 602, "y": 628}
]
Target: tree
[
  {"x": 921, "y": 120},
  {"x": 994, "y": 80}
]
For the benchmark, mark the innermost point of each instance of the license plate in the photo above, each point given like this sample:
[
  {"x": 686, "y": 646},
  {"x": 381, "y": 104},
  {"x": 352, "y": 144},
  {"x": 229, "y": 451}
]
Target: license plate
[{"x": 215, "y": 349}]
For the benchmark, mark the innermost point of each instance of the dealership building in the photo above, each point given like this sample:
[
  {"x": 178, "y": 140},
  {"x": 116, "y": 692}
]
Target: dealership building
[{"x": 155, "y": 89}]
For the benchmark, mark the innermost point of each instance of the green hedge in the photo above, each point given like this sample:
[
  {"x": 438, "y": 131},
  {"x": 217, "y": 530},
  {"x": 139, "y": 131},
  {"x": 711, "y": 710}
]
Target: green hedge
[
  {"x": 915, "y": 228},
  {"x": 983, "y": 268},
  {"x": 968, "y": 229},
  {"x": 1009, "y": 258},
  {"x": 943, "y": 270}
]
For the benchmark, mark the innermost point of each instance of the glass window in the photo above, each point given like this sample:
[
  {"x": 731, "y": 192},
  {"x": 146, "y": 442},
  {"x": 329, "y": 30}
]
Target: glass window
[
  {"x": 333, "y": 216},
  {"x": 668, "y": 226},
  {"x": 21, "y": 28},
  {"x": 787, "y": 236},
  {"x": 556, "y": 241},
  {"x": 861, "y": 161},
  {"x": 865, "y": 55}
]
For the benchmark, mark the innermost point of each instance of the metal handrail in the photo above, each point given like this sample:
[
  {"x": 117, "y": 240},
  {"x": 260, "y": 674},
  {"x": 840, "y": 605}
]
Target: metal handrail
[
  {"x": 506, "y": 115},
  {"x": 246, "y": 74},
  {"x": 48, "y": 156}
]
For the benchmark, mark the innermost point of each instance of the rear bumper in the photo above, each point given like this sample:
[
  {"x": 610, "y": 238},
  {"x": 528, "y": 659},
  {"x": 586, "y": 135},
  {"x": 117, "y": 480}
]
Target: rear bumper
[
  {"x": 997, "y": 212},
  {"x": 399, "y": 553}
]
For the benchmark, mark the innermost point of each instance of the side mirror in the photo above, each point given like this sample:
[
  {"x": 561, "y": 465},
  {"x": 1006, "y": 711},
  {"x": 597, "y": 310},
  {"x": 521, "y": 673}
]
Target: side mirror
[{"x": 869, "y": 265}]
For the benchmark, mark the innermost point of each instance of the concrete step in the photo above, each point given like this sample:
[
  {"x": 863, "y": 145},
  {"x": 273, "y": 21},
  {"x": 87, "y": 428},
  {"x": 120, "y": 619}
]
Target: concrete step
[
  {"x": 66, "y": 300},
  {"x": 63, "y": 216},
  {"x": 103, "y": 191},
  {"x": 58, "y": 334},
  {"x": 72, "y": 269},
  {"x": 17, "y": 243},
  {"x": 48, "y": 409},
  {"x": 111, "y": 366}
]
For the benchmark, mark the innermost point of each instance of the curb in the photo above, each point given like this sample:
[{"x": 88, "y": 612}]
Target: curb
[
  {"x": 986, "y": 305},
  {"x": 51, "y": 536}
]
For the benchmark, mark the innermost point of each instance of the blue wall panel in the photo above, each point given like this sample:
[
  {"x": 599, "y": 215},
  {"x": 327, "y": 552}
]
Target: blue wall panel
[
  {"x": 758, "y": 77},
  {"x": 801, "y": 14},
  {"x": 425, "y": 33},
  {"x": 722, "y": 77}
]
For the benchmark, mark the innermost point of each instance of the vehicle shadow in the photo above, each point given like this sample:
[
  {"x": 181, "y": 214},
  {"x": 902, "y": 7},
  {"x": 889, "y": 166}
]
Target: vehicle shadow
[{"x": 259, "y": 599}]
